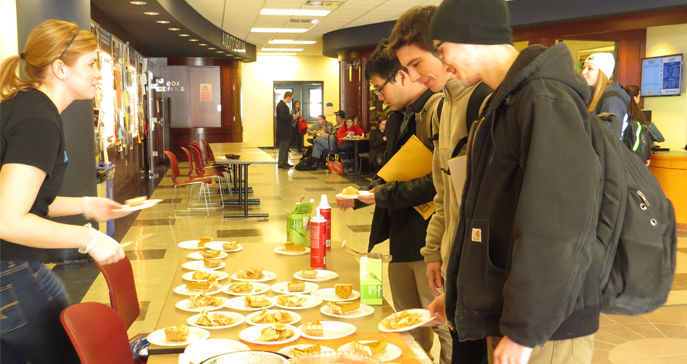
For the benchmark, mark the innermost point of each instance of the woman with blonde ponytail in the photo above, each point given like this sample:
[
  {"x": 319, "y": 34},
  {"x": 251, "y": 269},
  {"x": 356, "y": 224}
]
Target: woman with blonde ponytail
[{"x": 57, "y": 66}]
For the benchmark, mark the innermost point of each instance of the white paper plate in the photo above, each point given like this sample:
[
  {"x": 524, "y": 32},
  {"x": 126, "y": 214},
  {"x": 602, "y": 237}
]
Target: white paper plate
[
  {"x": 200, "y": 265},
  {"x": 329, "y": 294},
  {"x": 217, "y": 245},
  {"x": 258, "y": 288},
  {"x": 426, "y": 317},
  {"x": 214, "y": 289},
  {"x": 189, "y": 244},
  {"x": 206, "y": 349},
  {"x": 287, "y": 350},
  {"x": 353, "y": 197},
  {"x": 363, "y": 311},
  {"x": 266, "y": 276},
  {"x": 236, "y": 316},
  {"x": 145, "y": 205},
  {"x": 186, "y": 305},
  {"x": 281, "y": 250},
  {"x": 282, "y": 288},
  {"x": 332, "y": 330},
  {"x": 189, "y": 275},
  {"x": 197, "y": 255},
  {"x": 239, "y": 303},
  {"x": 322, "y": 275},
  {"x": 157, "y": 337},
  {"x": 311, "y": 301},
  {"x": 391, "y": 351},
  {"x": 295, "y": 317},
  {"x": 252, "y": 333}
]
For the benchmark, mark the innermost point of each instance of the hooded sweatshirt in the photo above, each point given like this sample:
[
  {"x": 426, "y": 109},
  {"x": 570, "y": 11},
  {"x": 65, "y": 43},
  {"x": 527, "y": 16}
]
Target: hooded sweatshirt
[{"x": 525, "y": 262}]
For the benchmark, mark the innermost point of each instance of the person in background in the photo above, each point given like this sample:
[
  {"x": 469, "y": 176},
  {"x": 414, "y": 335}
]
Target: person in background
[
  {"x": 347, "y": 130},
  {"x": 633, "y": 106},
  {"x": 377, "y": 145},
  {"x": 284, "y": 130},
  {"x": 297, "y": 137},
  {"x": 58, "y": 66},
  {"x": 325, "y": 140},
  {"x": 524, "y": 266},
  {"x": 607, "y": 96},
  {"x": 321, "y": 128}
]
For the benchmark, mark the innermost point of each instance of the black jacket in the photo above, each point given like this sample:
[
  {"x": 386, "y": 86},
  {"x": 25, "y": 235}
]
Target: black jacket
[
  {"x": 614, "y": 100},
  {"x": 525, "y": 262},
  {"x": 284, "y": 119},
  {"x": 394, "y": 217}
]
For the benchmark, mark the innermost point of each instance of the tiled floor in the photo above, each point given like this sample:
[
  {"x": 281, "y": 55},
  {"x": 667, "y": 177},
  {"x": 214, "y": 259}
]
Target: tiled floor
[{"x": 658, "y": 337}]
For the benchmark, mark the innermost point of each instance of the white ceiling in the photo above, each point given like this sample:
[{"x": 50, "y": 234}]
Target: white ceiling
[{"x": 239, "y": 16}]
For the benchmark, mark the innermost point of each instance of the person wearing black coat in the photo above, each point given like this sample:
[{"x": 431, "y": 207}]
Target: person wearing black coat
[
  {"x": 377, "y": 145},
  {"x": 284, "y": 130}
]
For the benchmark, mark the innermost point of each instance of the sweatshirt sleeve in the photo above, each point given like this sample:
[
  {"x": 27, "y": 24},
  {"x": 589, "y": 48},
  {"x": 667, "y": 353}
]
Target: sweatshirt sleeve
[{"x": 555, "y": 217}]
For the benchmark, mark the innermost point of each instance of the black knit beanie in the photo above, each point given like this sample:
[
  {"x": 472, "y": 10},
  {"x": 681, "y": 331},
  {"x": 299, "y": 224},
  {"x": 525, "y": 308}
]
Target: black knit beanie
[{"x": 472, "y": 22}]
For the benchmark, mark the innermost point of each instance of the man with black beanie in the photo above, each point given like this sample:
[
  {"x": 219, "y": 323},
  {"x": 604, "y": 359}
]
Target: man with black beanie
[{"x": 523, "y": 270}]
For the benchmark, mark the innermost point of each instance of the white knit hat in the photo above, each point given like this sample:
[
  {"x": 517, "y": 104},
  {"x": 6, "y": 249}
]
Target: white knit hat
[{"x": 603, "y": 61}]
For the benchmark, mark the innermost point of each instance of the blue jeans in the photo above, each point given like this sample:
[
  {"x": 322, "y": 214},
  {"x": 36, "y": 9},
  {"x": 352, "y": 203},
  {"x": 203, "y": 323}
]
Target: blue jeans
[
  {"x": 31, "y": 299},
  {"x": 322, "y": 144}
]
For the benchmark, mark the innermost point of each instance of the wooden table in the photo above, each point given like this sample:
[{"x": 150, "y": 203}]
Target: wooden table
[
  {"x": 262, "y": 254},
  {"x": 247, "y": 156}
]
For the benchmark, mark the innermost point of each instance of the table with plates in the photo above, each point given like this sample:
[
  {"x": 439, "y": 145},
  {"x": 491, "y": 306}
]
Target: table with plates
[
  {"x": 245, "y": 157},
  {"x": 271, "y": 258}
]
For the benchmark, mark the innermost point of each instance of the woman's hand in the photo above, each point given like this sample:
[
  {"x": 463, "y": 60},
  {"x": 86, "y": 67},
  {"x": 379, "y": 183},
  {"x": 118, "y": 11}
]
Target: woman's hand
[
  {"x": 102, "y": 209},
  {"x": 437, "y": 309}
]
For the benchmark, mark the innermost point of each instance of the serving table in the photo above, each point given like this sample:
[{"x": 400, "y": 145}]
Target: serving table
[{"x": 263, "y": 255}]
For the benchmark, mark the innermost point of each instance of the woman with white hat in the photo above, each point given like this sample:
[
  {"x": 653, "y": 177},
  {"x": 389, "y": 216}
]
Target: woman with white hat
[{"x": 607, "y": 96}]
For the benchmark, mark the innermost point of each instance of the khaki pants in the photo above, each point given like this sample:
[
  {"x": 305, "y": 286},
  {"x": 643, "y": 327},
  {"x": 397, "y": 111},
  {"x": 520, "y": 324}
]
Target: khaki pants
[
  {"x": 410, "y": 289},
  {"x": 571, "y": 351}
]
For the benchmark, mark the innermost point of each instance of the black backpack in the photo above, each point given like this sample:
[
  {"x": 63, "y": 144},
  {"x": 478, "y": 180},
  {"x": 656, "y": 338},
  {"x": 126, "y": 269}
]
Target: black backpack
[
  {"x": 636, "y": 228},
  {"x": 638, "y": 139}
]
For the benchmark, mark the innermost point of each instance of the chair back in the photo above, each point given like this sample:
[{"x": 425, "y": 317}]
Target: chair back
[
  {"x": 190, "y": 159},
  {"x": 174, "y": 164},
  {"x": 123, "y": 298},
  {"x": 210, "y": 156},
  {"x": 97, "y": 333},
  {"x": 198, "y": 154}
]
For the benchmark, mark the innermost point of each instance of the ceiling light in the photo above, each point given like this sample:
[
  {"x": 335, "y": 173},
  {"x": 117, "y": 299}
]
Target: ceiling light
[
  {"x": 220, "y": 51},
  {"x": 152, "y": 13},
  {"x": 314, "y": 21},
  {"x": 212, "y": 48},
  {"x": 324, "y": 3},
  {"x": 291, "y": 41},
  {"x": 283, "y": 49},
  {"x": 276, "y": 54},
  {"x": 162, "y": 21},
  {"x": 278, "y": 30},
  {"x": 299, "y": 12},
  {"x": 202, "y": 44},
  {"x": 139, "y": 3},
  {"x": 183, "y": 35},
  {"x": 193, "y": 40},
  {"x": 173, "y": 29}
]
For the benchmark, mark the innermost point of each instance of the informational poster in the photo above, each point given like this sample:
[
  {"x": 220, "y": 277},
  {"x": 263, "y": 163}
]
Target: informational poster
[
  {"x": 205, "y": 92},
  {"x": 662, "y": 76}
]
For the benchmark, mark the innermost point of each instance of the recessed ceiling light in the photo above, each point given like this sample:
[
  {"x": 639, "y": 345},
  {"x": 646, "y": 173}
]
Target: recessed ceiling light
[
  {"x": 212, "y": 48},
  {"x": 220, "y": 51},
  {"x": 202, "y": 44},
  {"x": 291, "y": 41},
  {"x": 276, "y": 54},
  {"x": 151, "y": 13},
  {"x": 193, "y": 40},
  {"x": 139, "y": 3},
  {"x": 299, "y": 12},
  {"x": 283, "y": 49},
  {"x": 174, "y": 29},
  {"x": 162, "y": 21},
  {"x": 314, "y": 21},
  {"x": 278, "y": 30},
  {"x": 183, "y": 35}
]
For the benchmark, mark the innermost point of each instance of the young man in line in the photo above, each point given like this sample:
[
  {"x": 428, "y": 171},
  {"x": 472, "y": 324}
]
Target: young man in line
[
  {"x": 394, "y": 217},
  {"x": 523, "y": 270},
  {"x": 410, "y": 41},
  {"x": 284, "y": 130}
]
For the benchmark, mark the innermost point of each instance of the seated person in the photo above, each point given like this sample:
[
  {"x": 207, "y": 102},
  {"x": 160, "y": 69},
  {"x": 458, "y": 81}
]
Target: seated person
[
  {"x": 347, "y": 130},
  {"x": 377, "y": 145},
  {"x": 325, "y": 141},
  {"x": 320, "y": 129}
]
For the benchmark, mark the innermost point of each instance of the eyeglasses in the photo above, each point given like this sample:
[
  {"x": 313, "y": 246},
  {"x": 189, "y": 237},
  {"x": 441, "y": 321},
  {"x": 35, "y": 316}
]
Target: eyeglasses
[
  {"x": 435, "y": 50},
  {"x": 378, "y": 91}
]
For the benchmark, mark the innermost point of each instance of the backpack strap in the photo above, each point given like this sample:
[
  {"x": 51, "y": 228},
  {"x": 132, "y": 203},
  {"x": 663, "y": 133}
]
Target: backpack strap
[
  {"x": 477, "y": 97},
  {"x": 435, "y": 136}
]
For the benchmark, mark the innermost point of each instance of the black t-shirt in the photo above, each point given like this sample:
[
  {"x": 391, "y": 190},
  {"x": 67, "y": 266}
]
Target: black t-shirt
[{"x": 31, "y": 133}]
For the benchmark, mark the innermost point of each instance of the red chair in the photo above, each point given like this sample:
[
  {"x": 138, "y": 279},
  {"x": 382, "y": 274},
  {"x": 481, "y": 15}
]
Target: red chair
[
  {"x": 202, "y": 182},
  {"x": 209, "y": 155},
  {"x": 123, "y": 298},
  {"x": 191, "y": 161},
  {"x": 97, "y": 333}
]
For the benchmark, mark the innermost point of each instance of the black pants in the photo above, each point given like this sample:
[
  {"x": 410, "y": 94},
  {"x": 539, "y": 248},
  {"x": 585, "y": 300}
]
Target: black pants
[
  {"x": 468, "y": 352},
  {"x": 283, "y": 158}
]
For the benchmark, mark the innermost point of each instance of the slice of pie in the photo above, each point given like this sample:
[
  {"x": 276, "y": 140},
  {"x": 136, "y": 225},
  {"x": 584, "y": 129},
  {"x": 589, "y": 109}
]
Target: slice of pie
[
  {"x": 257, "y": 301},
  {"x": 212, "y": 263},
  {"x": 198, "y": 286},
  {"x": 309, "y": 273},
  {"x": 230, "y": 245},
  {"x": 307, "y": 350},
  {"x": 210, "y": 253},
  {"x": 373, "y": 347},
  {"x": 314, "y": 328},
  {"x": 293, "y": 248},
  {"x": 241, "y": 287},
  {"x": 342, "y": 308},
  {"x": 296, "y": 286},
  {"x": 176, "y": 333},
  {"x": 203, "y": 241},
  {"x": 343, "y": 291}
]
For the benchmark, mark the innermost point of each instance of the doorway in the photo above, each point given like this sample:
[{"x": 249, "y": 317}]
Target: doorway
[{"x": 308, "y": 93}]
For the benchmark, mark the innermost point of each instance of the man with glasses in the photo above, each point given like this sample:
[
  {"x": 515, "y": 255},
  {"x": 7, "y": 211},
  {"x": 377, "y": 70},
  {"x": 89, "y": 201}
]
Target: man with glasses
[
  {"x": 412, "y": 105},
  {"x": 524, "y": 268},
  {"x": 410, "y": 41}
]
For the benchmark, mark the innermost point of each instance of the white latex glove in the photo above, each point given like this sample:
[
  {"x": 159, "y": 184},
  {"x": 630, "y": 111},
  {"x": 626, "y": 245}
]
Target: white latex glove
[{"x": 102, "y": 248}]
